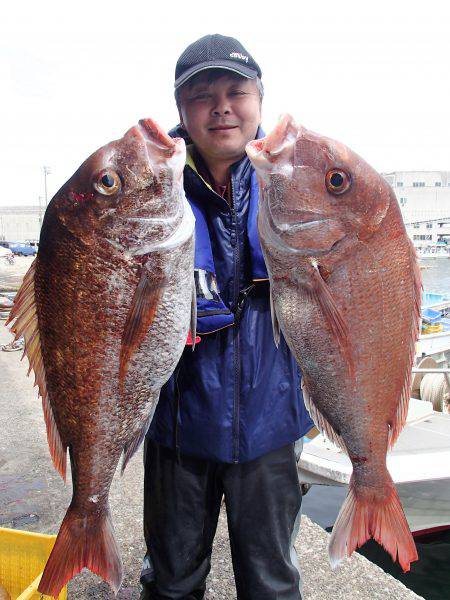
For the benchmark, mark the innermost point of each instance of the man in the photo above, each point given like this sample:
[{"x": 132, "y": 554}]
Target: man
[{"x": 227, "y": 420}]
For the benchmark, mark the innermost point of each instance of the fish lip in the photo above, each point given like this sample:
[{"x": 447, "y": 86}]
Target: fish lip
[
  {"x": 153, "y": 133},
  {"x": 179, "y": 235},
  {"x": 293, "y": 227},
  {"x": 277, "y": 231},
  {"x": 155, "y": 220},
  {"x": 277, "y": 147},
  {"x": 162, "y": 150}
]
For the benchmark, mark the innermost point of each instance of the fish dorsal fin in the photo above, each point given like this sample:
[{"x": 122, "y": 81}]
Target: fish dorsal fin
[
  {"x": 402, "y": 406},
  {"x": 321, "y": 294},
  {"x": 25, "y": 323},
  {"x": 321, "y": 422},
  {"x": 275, "y": 323},
  {"x": 139, "y": 319}
]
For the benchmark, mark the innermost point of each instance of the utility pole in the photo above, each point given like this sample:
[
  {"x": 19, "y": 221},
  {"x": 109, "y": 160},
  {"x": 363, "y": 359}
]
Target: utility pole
[{"x": 46, "y": 172}]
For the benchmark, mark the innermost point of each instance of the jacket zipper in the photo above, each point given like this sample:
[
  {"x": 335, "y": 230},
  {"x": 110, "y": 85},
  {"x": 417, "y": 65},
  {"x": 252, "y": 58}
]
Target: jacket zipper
[{"x": 237, "y": 357}]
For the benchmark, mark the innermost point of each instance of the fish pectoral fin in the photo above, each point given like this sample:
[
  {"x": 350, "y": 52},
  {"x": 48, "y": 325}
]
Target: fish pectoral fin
[
  {"x": 193, "y": 326},
  {"x": 139, "y": 319},
  {"x": 275, "y": 323},
  {"x": 25, "y": 323},
  {"x": 321, "y": 422},
  {"x": 321, "y": 294}
]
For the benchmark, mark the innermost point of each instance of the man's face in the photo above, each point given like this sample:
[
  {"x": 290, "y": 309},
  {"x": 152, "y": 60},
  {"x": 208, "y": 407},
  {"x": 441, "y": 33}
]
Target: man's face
[{"x": 220, "y": 116}]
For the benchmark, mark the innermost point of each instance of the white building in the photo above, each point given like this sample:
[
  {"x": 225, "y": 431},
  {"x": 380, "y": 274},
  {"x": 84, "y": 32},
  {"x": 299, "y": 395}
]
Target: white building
[
  {"x": 424, "y": 199},
  {"x": 422, "y": 195},
  {"x": 20, "y": 223},
  {"x": 426, "y": 233}
]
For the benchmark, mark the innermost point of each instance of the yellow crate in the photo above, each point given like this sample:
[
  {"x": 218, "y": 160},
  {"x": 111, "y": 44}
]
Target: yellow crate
[{"x": 22, "y": 559}]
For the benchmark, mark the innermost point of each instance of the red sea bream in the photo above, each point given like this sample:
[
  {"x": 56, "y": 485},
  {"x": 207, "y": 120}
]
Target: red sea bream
[
  {"x": 346, "y": 291},
  {"x": 105, "y": 310}
]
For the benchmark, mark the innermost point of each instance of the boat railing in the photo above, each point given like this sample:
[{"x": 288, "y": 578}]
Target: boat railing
[
  {"x": 417, "y": 370},
  {"x": 433, "y": 336}
]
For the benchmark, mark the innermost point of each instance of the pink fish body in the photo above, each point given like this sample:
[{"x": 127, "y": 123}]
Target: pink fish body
[{"x": 346, "y": 291}]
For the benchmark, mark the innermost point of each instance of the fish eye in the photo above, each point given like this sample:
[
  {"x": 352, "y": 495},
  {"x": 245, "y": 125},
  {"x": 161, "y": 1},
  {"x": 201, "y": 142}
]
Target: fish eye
[
  {"x": 107, "y": 182},
  {"x": 337, "y": 181}
]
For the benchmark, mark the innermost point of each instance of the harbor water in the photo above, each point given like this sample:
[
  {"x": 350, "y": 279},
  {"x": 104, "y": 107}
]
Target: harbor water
[
  {"x": 430, "y": 575},
  {"x": 436, "y": 275}
]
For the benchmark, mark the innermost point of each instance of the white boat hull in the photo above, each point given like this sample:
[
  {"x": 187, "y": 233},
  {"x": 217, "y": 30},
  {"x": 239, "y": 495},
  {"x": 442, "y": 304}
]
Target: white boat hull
[{"x": 419, "y": 464}]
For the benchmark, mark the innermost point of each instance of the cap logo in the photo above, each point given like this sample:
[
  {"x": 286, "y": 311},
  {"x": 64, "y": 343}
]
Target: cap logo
[{"x": 239, "y": 55}]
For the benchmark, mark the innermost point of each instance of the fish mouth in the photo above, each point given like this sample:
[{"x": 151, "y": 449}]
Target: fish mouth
[
  {"x": 154, "y": 134},
  {"x": 275, "y": 153},
  {"x": 162, "y": 150}
]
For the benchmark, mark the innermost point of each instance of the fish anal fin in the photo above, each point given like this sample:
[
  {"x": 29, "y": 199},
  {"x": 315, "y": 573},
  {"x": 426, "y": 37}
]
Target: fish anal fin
[
  {"x": 321, "y": 422},
  {"x": 320, "y": 293},
  {"x": 23, "y": 321},
  {"x": 275, "y": 323},
  {"x": 131, "y": 448},
  {"x": 139, "y": 319},
  {"x": 378, "y": 517},
  {"x": 403, "y": 403},
  {"x": 83, "y": 541}
]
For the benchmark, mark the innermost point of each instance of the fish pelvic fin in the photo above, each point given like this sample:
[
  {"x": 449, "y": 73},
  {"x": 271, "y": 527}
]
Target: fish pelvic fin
[
  {"x": 320, "y": 294},
  {"x": 402, "y": 406},
  {"x": 320, "y": 421},
  {"x": 83, "y": 542},
  {"x": 139, "y": 319},
  {"x": 376, "y": 516},
  {"x": 23, "y": 321}
]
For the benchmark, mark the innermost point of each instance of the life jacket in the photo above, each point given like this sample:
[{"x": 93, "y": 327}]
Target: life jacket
[{"x": 212, "y": 313}]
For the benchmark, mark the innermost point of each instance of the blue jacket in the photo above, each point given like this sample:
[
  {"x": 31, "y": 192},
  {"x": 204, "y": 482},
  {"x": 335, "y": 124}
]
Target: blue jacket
[{"x": 236, "y": 396}]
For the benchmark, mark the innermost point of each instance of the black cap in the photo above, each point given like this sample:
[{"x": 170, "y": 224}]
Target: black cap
[{"x": 215, "y": 52}]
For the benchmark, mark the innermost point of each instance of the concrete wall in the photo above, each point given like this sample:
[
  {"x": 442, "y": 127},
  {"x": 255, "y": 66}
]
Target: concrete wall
[{"x": 18, "y": 224}]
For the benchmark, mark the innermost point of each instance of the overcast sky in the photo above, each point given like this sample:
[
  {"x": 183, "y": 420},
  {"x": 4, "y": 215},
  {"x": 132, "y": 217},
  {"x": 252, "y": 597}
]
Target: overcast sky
[{"x": 75, "y": 75}]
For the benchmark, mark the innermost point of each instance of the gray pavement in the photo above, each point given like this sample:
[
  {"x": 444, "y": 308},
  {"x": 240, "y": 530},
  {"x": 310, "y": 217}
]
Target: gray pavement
[{"x": 33, "y": 497}]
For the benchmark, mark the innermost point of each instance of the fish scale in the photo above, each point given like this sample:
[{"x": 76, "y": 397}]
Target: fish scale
[{"x": 345, "y": 288}]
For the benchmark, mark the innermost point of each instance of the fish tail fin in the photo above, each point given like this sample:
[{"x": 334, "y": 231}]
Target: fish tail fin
[
  {"x": 380, "y": 517},
  {"x": 83, "y": 542}
]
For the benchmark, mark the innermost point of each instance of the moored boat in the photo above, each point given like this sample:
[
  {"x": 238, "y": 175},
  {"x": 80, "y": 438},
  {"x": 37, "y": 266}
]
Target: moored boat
[{"x": 419, "y": 464}]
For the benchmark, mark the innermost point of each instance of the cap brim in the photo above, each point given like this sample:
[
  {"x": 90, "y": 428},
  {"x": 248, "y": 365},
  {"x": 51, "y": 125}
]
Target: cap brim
[{"x": 227, "y": 65}]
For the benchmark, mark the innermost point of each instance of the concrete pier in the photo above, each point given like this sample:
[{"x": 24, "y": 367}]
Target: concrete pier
[{"x": 33, "y": 497}]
